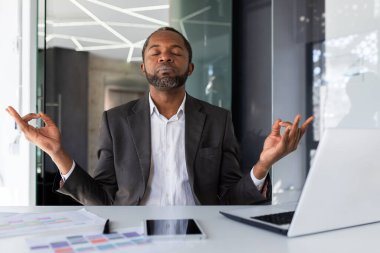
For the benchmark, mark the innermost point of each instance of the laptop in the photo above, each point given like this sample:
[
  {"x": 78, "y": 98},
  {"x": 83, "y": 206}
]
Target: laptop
[{"x": 341, "y": 190}]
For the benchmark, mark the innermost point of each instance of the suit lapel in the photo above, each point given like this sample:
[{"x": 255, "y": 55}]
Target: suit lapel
[
  {"x": 194, "y": 122},
  {"x": 139, "y": 122}
]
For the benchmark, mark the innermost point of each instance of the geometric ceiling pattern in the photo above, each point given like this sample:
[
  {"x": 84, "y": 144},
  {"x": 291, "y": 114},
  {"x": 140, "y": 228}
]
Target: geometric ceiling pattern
[{"x": 111, "y": 28}]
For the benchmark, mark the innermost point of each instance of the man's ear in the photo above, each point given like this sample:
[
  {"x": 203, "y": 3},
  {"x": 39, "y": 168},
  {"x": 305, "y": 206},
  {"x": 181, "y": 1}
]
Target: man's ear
[
  {"x": 190, "y": 69},
  {"x": 142, "y": 68}
]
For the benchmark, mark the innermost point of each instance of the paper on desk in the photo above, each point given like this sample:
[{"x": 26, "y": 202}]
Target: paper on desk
[
  {"x": 126, "y": 239},
  {"x": 130, "y": 239},
  {"x": 32, "y": 223}
]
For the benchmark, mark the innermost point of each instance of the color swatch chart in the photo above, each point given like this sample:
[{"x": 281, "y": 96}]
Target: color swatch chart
[
  {"x": 32, "y": 223},
  {"x": 122, "y": 241}
]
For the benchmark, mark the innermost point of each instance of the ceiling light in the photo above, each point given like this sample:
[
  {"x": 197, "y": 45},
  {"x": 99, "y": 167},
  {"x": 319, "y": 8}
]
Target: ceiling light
[
  {"x": 92, "y": 23},
  {"x": 106, "y": 47},
  {"x": 130, "y": 53},
  {"x": 126, "y": 11},
  {"x": 86, "y": 39},
  {"x": 76, "y": 42},
  {"x": 149, "y": 8},
  {"x": 101, "y": 22}
]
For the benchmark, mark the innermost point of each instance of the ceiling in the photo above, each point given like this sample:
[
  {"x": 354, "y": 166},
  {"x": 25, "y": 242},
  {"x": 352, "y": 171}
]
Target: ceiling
[{"x": 110, "y": 28}]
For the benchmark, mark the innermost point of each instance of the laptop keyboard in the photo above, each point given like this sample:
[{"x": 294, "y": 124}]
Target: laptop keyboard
[{"x": 277, "y": 218}]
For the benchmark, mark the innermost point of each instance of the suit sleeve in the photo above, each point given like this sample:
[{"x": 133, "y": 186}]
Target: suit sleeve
[
  {"x": 236, "y": 188},
  {"x": 100, "y": 187}
]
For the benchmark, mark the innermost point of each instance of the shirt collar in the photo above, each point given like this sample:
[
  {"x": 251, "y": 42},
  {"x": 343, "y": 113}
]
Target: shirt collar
[{"x": 153, "y": 108}]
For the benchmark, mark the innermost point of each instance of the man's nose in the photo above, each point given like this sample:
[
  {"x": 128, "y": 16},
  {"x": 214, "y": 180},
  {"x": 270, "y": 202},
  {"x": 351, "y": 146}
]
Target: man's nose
[{"x": 165, "y": 57}]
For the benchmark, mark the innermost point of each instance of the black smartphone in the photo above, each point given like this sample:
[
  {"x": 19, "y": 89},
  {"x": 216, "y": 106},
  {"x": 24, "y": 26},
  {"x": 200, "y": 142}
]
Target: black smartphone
[{"x": 173, "y": 229}]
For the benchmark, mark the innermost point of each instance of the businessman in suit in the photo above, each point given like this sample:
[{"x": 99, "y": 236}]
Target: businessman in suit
[{"x": 166, "y": 148}]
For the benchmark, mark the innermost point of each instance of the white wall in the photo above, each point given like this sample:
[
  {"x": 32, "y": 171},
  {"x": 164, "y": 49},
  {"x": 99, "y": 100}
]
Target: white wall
[{"x": 17, "y": 71}]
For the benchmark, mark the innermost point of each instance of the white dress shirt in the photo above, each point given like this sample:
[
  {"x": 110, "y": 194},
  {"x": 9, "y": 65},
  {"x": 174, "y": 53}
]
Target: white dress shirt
[{"x": 168, "y": 182}]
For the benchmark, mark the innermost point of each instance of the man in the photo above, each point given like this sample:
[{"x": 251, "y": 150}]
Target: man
[{"x": 166, "y": 148}]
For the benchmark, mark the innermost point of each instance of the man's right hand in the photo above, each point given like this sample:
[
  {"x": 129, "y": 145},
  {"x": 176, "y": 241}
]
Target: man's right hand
[{"x": 47, "y": 138}]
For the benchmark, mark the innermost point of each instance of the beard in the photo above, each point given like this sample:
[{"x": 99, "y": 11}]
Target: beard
[{"x": 166, "y": 82}]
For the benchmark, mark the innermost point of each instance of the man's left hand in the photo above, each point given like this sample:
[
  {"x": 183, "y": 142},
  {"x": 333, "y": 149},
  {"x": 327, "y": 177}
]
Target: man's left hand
[{"x": 276, "y": 146}]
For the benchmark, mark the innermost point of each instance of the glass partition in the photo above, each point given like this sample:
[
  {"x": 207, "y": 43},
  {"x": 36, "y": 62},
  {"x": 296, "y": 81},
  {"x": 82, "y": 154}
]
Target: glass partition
[
  {"x": 325, "y": 59},
  {"x": 350, "y": 89},
  {"x": 207, "y": 25},
  {"x": 345, "y": 68}
]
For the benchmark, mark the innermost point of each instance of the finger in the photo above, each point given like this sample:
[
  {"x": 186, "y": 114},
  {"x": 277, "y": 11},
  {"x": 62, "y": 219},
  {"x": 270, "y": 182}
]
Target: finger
[
  {"x": 294, "y": 139},
  {"x": 294, "y": 129},
  {"x": 297, "y": 139},
  {"x": 297, "y": 120},
  {"x": 299, "y": 135},
  {"x": 276, "y": 128},
  {"x": 286, "y": 124},
  {"x": 290, "y": 139},
  {"x": 46, "y": 119},
  {"x": 293, "y": 126},
  {"x": 285, "y": 136},
  {"x": 30, "y": 116},
  {"x": 306, "y": 124},
  {"x": 12, "y": 111},
  {"x": 22, "y": 124}
]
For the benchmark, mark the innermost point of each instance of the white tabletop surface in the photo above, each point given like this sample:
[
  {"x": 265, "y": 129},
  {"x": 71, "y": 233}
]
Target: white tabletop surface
[{"x": 224, "y": 235}]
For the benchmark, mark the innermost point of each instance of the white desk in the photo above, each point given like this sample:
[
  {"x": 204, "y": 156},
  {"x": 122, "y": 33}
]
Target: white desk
[{"x": 224, "y": 235}]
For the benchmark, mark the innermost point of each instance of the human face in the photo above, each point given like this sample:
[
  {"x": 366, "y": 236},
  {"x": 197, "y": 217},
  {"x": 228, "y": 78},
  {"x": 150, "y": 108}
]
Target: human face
[{"x": 166, "y": 61}]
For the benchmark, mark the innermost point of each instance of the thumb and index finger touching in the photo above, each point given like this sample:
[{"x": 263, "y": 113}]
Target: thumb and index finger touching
[
  {"x": 22, "y": 122},
  {"x": 276, "y": 127}
]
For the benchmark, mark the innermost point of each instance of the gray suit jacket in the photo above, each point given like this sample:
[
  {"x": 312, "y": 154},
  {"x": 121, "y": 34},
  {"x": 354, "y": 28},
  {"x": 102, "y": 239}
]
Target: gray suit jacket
[{"x": 122, "y": 172}]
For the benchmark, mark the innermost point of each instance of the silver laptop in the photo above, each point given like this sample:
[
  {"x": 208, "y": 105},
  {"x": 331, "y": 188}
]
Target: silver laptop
[{"x": 342, "y": 188}]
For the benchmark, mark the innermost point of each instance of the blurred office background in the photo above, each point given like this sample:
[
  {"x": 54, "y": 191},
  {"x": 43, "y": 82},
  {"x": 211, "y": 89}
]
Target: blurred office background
[{"x": 261, "y": 59}]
